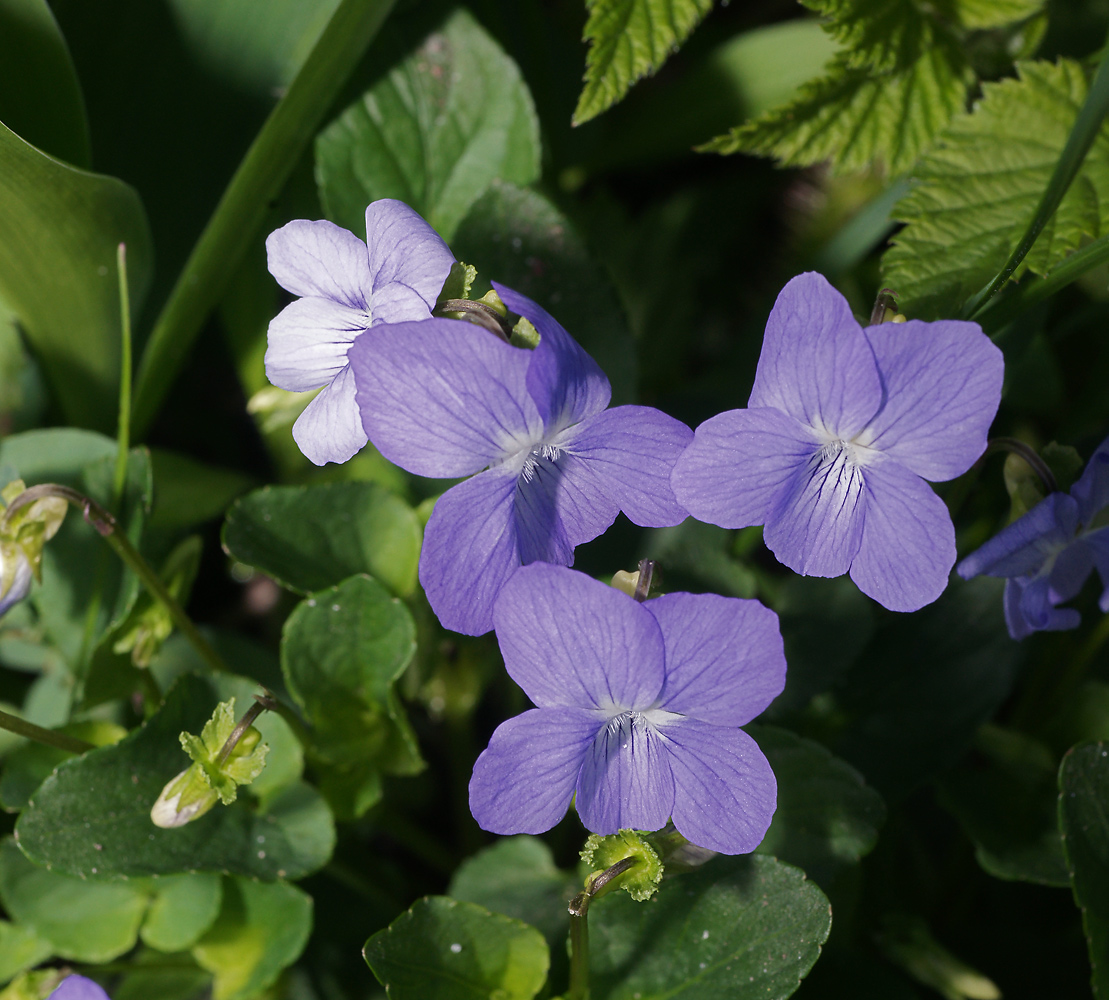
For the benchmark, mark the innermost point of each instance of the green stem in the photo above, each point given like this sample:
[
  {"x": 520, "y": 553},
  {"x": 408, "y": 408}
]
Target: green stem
[
  {"x": 1081, "y": 138},
  {"x": 242, "y": 209},
  {"x": 21, "y": 727},
  {"x": 124, "y": 432},
  {"x": 579, "y": 928}
]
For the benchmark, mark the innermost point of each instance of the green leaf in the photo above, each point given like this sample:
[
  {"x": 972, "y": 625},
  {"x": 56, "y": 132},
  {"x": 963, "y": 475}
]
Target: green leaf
[
  {"x": 311, "y": 537},
  {"x": 451, "y": 118},
  {"x": 261, "y": 929},
  {"x": 827, "y": 816},
  {"x": 977, "y": 191},
  {"x": 82, "y": 921},
  {"x": 59, "y": 228},
  {"x": 20, "y": 948},
  {"x": 739, "y": 928},
  {"x": 457, "y": 951},
  {"x": 92, "y": 816},
  {"x": 1083, "y": 792},
  {"x": 185, "y": 907},
  {"x": 519, "y": 238},
  {"x": 191, "y": 492},
  {"x": 150, "y": 975},
  {"x": 40, "y": 98},
  {"x": 994, "y": 13},
  {"x": 1005, "y": 798},
  {"x": 701, "y": 553},
  {"x": 627, "y": 40}
]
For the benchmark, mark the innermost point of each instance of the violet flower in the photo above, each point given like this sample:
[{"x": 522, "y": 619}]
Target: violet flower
[
  {"x": 78, "y": 988},
  {"x": 842, "y": 428},
  {"x": 639, "y": 709},
  {"x": 444, "y": 398},
  {"x": 346, "y": 286},
  {"x": 1049, "y": 552}
]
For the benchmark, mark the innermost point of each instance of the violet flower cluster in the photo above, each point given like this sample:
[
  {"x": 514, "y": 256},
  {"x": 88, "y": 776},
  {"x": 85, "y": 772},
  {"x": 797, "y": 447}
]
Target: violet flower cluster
[{"x": 1048, "y": 554}]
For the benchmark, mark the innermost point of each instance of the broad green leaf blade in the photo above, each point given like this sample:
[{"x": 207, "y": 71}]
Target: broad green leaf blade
[
  {"x": 1084, "y": 822},
  {"x": 311, "y": 537},
  {"x": 191, "y": 492},
  {"x": 739, "y": 928},
  {"x": 827, "y": 816},
  {"x": 40, "y": 98},
  {"x": 457, "y": 951},
  {"x": 82, "y": 921},
  {"x": 977, "y": 191},
  {"x": 92, "y": 816},
  {"x": 185, "y": 907},
  {"x": 261, "y": 929},
  {"x": 20, "y": 948},
  {"x": 627, "y": 40},
  {"x": 435, "y": 132},
  {"x": 59, "y": 228}
]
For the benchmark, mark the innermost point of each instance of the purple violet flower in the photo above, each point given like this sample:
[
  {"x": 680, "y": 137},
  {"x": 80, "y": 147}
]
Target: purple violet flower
[
  {"x": 78, "y": 988},
  {"x": 444, "y": 398},
  {"x": 346, "y": 286},
  {"x": 842, "y": 428},
  {"x": 1049, "y": 552},
  {"x": 639, "y": 709}
]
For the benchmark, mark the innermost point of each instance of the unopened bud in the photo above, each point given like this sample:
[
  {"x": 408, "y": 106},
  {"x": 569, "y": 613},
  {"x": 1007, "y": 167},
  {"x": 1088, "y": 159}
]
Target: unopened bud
[{"x": 185, "y": 798}]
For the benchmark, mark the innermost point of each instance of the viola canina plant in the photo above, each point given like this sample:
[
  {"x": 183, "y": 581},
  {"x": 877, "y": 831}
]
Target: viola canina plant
[
  {"x": 361, "y": 395},
  {"x": 843, "y": 427}
]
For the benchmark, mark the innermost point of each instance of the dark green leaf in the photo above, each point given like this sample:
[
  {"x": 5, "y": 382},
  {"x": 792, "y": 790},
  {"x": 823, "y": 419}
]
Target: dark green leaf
[
  {"x": 191, "y": 492},
  {"x": 1083, "y": 793},
  {"x": 627, "y": 40},
  {"x": 738, "y": 928},
  {"x": 311, "y": 537},
  {"x": 92, "y": 816},
  {"x": 827, "y": 817},
  {"x": 701, "y": 553},
  {"x": 185, "y": 907},
  {"x": 457, "y": 951},
  {"x": 445, "y": 123}
]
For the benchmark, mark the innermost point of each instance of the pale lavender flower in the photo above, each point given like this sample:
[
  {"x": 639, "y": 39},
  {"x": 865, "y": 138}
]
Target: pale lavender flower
[
  {"x": 1049, "y": 552},
  {"x": 78, "y": 988},
  {"x": 842, "y": 428},
  {"x": 346, "y": 286},
  {"x": 638, "y": 712},
  {"x": 445, "y": 399}
]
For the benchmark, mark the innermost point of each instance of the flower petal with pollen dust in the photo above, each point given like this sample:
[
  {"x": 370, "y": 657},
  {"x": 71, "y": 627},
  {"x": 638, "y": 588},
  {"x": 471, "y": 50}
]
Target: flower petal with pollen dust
[{"x": 329, "y": 429}]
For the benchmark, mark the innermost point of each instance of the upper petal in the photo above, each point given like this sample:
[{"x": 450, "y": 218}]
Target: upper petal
[
  {"x": 1092, "y": 488},
  {"x": 524, "y": 780},
  {"x": 724, "y": 656},
  {"x": 308, "y": 341},
  {"x": 816, "y": 526},
  {"x": 320, "y": 259},
  {"x": 738, "y": 465},
  {"x": 330, "y": 428},
  {"x": 1025, "y": 545},
  {"x": 625, "y": 780},
  {"x": 724, "y": 790},
  {"x": 442, "y": 398},
  {"x": 408, "y": 262},
  {"x": 908, "y": 544},
  {"x": 565, "y": 382},
  {"x": 469, "y": 551},
  {"x": 632, "y": 450},
  {"x": 570, "y": 640},
  {"x": 943, "y": 387},
  {"x": 816, "y": 363}
]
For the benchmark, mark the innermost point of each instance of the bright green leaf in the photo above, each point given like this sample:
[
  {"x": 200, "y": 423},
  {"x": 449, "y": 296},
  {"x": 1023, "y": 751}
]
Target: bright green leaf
[
  {"x": 92, "y": 816},
  {"x": 435, "y": 132},
  {"x": 261, "y": 929},
  {"x": 976, "y": 192},
  {"x": 83, "y": 921},
  {"x": 739, "y": 928},
  {"x": 311, "y": 537},
  {"x": 184, "y": 908},
  {"x": 457, "y": 951},
  {"x": 20, "y": 948},
  {"x": 994, "y": 13},
  {"x": 627, "y": 40}
]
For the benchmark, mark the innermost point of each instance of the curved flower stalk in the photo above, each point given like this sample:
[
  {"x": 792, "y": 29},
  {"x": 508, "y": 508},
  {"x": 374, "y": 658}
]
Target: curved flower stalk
[
  {"x": 444, "y": 398},
  {"x": 638, "y": 712},
  {"x": 346, "y": 286},
  {"x": 843, "y": 427},
  {"x": 1049, "y": 552}
]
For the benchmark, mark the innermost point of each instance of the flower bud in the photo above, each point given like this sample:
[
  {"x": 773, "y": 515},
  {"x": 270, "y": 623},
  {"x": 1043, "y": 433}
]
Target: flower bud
[
  {"x": 21, "y": 542},
  {"x": 187, "y": 797}
]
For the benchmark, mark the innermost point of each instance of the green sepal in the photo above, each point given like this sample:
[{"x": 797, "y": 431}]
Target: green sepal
[
  {"x": 28, "y": 530},
  {"x": 458, "y": 283},
  {"x": 242, "y": 764},
  {"x": 641, "y": 880},
  {"x": 524, "y": 335}
]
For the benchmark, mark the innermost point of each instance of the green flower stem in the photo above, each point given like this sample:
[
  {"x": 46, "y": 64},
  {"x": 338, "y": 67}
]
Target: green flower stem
[
  {"x": 259, "y": 179},
  {"x": 1081, "y": 138},
  {"x": 261, "y": 704},
  {"x": 124, "y": 432},
  {"x": 579, "y": 928},
  {"x": 21, "y": 727},
  {"x": 1028, "y": 453}
]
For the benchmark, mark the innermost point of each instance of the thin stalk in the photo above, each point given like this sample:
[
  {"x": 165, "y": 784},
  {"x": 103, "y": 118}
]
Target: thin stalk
[
  {"x": 258, "y": 179},
  {"x": 1028, "y": 454},
  {"x": 21, "y": 727},
  {"x": 1081, "y": 138},
  {"x": 123, "y": 435},
  {"x": 579, "y": 927},
  {"x": 261, "y": 704}
]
